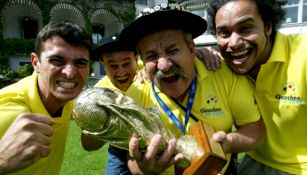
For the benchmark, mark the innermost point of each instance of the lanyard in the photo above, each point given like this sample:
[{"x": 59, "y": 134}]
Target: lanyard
[{"x": 170, "y": 114}]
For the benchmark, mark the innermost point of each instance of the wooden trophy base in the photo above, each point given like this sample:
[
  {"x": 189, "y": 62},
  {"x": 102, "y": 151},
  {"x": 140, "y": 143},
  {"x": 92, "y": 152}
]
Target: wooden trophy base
[{"x": 210, "y": 158}]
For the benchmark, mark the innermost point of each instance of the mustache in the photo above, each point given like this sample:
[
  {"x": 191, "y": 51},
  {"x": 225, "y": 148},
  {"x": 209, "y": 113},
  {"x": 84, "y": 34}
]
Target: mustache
[{"x": 175, "y": 70}]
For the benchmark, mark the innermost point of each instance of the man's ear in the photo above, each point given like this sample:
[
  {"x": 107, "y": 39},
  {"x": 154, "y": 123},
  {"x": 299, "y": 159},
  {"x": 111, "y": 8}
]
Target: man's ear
[
  {"x": 35, "y": 62},
  {"x": 268, "y": 29},
  {"x": 192, "y": 48}
]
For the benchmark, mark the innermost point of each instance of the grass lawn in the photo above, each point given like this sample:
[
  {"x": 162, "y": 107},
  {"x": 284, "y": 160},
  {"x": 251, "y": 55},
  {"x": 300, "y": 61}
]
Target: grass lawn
[{"x": 77, "y": 161}]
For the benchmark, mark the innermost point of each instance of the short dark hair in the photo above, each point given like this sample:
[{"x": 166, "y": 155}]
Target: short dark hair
[
  {"x": 70, "y": 32},
  {"x": 269, "y": 10}
]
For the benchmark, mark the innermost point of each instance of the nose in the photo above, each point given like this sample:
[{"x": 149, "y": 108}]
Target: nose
[
  {"x": 235, "y": 41},
  {"x": 69, "y": 71},
  {"x": 164, "y": 64},
  {"x": 121, "y": 71}
]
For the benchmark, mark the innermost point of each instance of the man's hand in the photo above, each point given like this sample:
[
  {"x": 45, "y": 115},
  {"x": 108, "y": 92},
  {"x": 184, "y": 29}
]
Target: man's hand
[
  {"x": 245, "y": 138},
  {"x": 210, "y": 57},
  {"x": 148, "y": 162},
  {"x": 25, "y": 142},
  {"x": 141, "y": 76}
]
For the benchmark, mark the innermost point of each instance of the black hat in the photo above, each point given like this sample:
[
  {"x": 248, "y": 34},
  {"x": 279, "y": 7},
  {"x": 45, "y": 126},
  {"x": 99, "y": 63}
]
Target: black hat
[
  {"x": 111, "y": 43},
  {"x": 163, "y": 20}
]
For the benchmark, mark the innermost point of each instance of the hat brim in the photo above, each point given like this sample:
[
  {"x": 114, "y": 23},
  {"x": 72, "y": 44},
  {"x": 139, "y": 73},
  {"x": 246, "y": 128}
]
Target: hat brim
[
  {"x": 114, "y": 46},
  {"x": 163, "y": 20}
]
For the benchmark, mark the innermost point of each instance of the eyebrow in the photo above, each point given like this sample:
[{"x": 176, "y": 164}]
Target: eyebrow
[
  {"x": 62, "y": 58},
  {"x": 240, "y": 22},
  {"x": 112, "y": 61},
  {"x": 167, "y": 48}
]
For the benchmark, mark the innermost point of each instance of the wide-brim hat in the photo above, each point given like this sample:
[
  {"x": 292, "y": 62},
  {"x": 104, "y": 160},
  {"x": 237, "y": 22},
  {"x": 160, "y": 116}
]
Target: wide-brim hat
[
  {"x": 110, "y": 44},
  {"x": 163, "y": 20}
]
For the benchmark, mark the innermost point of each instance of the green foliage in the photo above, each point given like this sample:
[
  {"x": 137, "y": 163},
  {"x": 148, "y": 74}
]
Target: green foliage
[
  {"x": 25, "y": 70},
  {"x": 6, "y": 72},
  {"x": 45, "y": 7},
  {"x": 127, "y": 16},
  {"x": 18, "y": 46}
]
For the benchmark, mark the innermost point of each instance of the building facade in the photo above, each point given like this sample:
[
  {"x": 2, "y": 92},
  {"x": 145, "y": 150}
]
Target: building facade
[{"x": 22, "y": 19}]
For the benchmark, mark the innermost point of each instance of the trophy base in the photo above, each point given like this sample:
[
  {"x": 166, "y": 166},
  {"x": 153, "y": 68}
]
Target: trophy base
[{"x": 210, "y": 158}]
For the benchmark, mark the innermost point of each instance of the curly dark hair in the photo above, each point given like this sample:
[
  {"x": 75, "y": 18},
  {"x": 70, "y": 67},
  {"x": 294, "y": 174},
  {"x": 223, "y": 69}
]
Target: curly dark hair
[{"x": 269, "y": 10}]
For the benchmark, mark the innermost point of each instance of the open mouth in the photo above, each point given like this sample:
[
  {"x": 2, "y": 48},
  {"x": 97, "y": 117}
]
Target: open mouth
[
  {"x": 240, "y": 57},
  {"x": 66, "y": 85},
  {"x": 170, "y": 79},
  {"x": 122, "y": 80}
]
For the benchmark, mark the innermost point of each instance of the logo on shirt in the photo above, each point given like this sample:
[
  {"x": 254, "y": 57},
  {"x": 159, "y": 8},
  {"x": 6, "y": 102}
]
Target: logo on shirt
[
  {"x": 211, "y": 107},
  {"x": 287, "y": 95}
]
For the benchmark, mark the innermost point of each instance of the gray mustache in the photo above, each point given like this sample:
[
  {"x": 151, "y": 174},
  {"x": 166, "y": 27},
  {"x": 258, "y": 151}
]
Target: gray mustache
[{"x": 176, "y": 70}]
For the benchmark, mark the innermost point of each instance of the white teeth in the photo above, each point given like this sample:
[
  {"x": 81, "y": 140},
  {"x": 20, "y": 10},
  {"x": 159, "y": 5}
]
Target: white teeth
[
  {"x": 122, "y": 78},
  {"x": 67, "y": 85},
  {"x": 239, "y": 53},
  {"x": 168, "y": 75}
]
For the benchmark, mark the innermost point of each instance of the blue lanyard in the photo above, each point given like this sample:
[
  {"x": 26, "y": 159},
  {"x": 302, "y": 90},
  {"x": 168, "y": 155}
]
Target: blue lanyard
[{"x": 170, "y": 114}]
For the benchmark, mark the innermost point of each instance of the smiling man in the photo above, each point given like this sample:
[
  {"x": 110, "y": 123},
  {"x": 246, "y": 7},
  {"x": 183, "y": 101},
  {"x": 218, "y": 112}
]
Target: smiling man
[
  {"x": 35, "y": 112},
  {"x": 120, "y": 63},
  {"x": 248, "y": 38}
]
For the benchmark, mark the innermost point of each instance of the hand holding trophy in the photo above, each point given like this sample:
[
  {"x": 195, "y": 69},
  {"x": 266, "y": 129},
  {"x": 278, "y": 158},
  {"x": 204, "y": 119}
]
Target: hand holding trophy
[{"x": 109, "y": 116}]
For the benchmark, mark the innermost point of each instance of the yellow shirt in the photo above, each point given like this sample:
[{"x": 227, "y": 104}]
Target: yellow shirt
[
  {"x": 23, "y": 97},
  {"x": 281, "y": 93},
  {"x": 222, "y": 99}
]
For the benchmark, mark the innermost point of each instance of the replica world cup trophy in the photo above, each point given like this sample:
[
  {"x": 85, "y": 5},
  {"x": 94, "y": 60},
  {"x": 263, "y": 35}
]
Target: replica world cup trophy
[{"x": 109, "y": 116}]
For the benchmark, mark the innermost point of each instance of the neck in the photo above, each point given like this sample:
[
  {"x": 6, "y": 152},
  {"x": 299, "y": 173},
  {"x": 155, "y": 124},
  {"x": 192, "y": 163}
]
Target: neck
[
  {"x": 182, "y": 97},
  {"x": 53, "y": 107}
]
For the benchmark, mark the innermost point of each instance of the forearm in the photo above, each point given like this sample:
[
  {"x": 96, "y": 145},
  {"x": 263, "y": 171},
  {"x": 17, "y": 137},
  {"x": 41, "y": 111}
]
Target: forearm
[{"x": 247, "y": 137}]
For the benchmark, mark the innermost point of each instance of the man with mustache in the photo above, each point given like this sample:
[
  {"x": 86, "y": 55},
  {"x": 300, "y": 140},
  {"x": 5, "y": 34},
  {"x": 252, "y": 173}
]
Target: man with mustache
[
  {"x": 121, "y": 65},
  {"x": 247, "y": 36},
  {"x": 183, "y": 91},
  {"x": 36, "y": 111}
]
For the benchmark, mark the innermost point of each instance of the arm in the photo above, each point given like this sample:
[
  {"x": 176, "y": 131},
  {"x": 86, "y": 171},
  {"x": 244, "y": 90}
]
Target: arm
[
  {"x": 246, "y": 137},
  {"x": 25, "y": 142},
  {"x": 210, "y": 57},
  {"x": 148, "y": 162},
  {"x": 141, "y": 76}
]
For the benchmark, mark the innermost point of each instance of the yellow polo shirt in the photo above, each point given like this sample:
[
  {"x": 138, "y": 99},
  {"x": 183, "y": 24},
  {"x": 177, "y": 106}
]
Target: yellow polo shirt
[
  {"x": 281, "y": 93},
  {"x": 23, "y": 97}
]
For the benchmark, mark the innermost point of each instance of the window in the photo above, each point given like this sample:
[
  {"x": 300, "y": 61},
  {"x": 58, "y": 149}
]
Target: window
[
  {"x": 24, "y": 63},
  {"x": 29, "y": 27},
  {"x": 200, "y": 13},
  {"x": 144, "y": 2},
  {"x": 98, "y": 33},
  {"x": 291, "y": 9},
  {"x": 305, "y": 11}
]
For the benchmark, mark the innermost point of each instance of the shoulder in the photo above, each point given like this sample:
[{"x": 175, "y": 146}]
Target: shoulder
[
  {"x": 18, "y": 89},
  {"x": 104, "y": 82}
]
